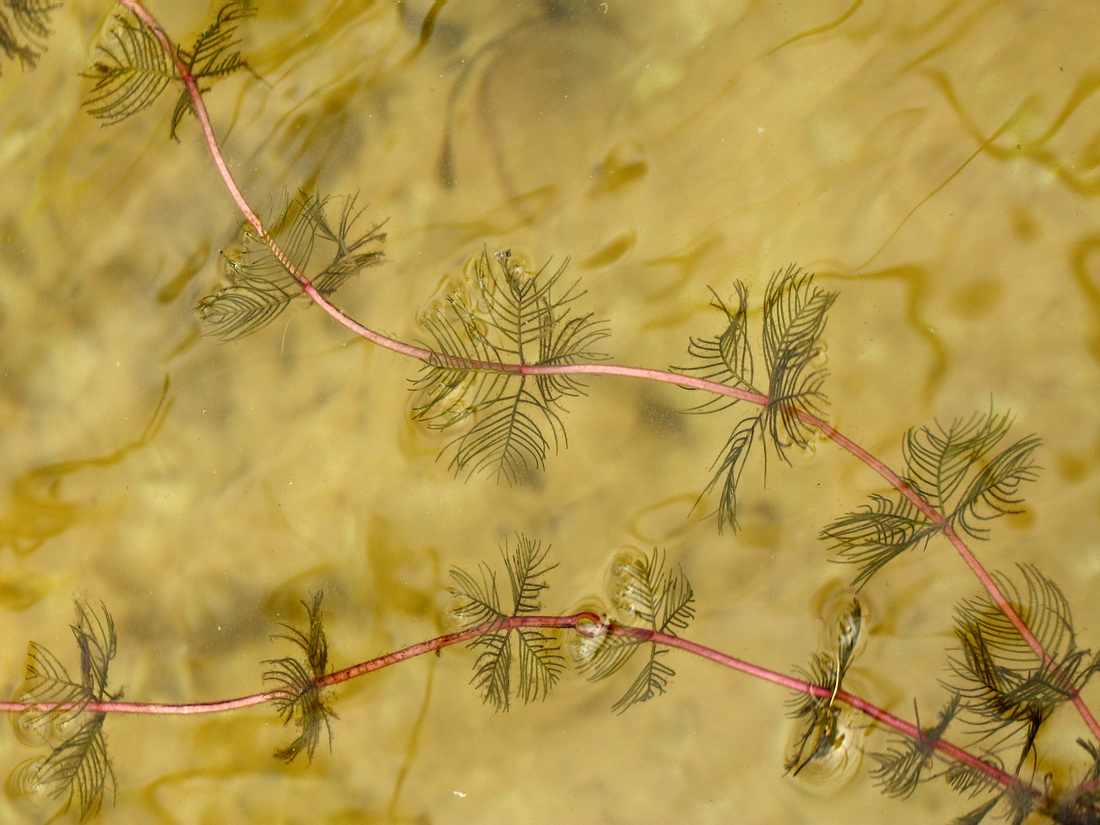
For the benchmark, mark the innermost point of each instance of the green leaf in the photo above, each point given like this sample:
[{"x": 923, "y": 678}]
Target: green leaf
[
  {"x": 821, "y": 716},
  {"x": 659, "y": 602},
  {"x": 956, "y": 470},
  {"x": 508, "y": 317},
  {"x": 24, "y": 27},
  {"x": 730, "y": 464},
  {"x": 875, "y": 534},
  {"x": 131, "y": 67},
  {"x": 211, "y": 56},
  {"x": 78, "y": 767},
  {"x": 1082, "y": 803},
  {"x": 129, "y": 72},
  {"x": 1001, "y": 681},
  {"x": 794, "y": 316},
  {"x": 727, "y": 357},
  {"x": 905, "y": 762},
  {"x": 795, "y": 312},
  {"x": 262, "y": 285},
  {"x": 298, "y": 695},
  {"x": 522, "y": 662}
]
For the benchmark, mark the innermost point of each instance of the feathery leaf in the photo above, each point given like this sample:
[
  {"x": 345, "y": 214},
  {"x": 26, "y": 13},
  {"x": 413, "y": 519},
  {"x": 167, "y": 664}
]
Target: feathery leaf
[
  {"x": 903, "y": 765},
  {"x": 1082, "y": 803},
  {"x": 24, "y": 27},
  {"x": 78, "y": 766},
  {"x": 477, "y": 602},
  {"x": 262, "y": 286},
  {"x": 644, "y": 590},
  {"x": 956, "y": 471},
  {"x": 297, "y": 693},
  {"x": 1002, "y": 682},
  {"x": 795, "y": 312},
  {"x": 508, "y": 318},
  {"x": 129, "y": 73},
  {"x": 821, "y": 716},
  {"x": 794, "y": 316},
  {"x": 210, "y": 57},
  {"x": 132, "y": 69},
  {"x": 727, "y": 357}
]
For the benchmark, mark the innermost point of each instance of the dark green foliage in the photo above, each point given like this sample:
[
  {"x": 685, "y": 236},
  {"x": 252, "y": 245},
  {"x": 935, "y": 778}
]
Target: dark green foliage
[
  {"x": 261, "y": 285},
  {"x": 129, "y": 72},
  {"x": 795, "y": 312},
  {"x": 24, "y": 27},
  {"x": 131, "y": 68},
  {"x": 214, "y": 54},
  {"x": 77, "y": 767},
  {"x": 510, "y": 317},
  {"x": 522, "y": 662},
  {"x": 1001, "y": 681},
  {"x": 978, "y": 814},
  {"x": 794, "y": 316},
  {"x": 665, "y": 605},
  {"x": 955, "y": 470},
  {"x": 906, "y": 761},
  {"x": 298, "y": 695},
  {"x": 727, "y": 358},
  {"x": 1081, "y": 806},
  {"x": 1006, "y": 692}
]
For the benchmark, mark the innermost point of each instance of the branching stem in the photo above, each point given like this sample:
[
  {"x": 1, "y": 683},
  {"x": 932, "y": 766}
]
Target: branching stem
[
  {"x": 150, "y": 22},
  {"x": 587, "y": 624},
  {"x": 999, "y": 598}
]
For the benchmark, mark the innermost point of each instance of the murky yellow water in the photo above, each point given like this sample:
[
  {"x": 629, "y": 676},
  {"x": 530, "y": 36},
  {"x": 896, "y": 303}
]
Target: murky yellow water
[{"x": 934, "y": 163}]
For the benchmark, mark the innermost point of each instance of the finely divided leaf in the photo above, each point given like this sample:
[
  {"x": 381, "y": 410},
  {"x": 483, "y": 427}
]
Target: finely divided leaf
[
  {"x": 510, "y": 318},
  {"x": 794, "y": 316},
  {"x": 132, "y": 68},
  {"x": 958, "y": 471},
  {"x": 262, "y": 284},
  {"x": 876, "y": 533},
  {"x": 663, "y": 604},
  {"x": 214, "y": 54},
  {"x": 298, "y": 695},
  {"x": 77, "y": 767},
  {"x": 129, "y": 73},
  {"x": 24, "y": 27},
  {"x": 727, "y": 357},
  {"x": 795, "y": 312},
  {"x": 522, "y": 662},
  {"x": 905, "y": 762},
  {"x": 1001, "y": 681},
  {"x": 730, "y": 464}
]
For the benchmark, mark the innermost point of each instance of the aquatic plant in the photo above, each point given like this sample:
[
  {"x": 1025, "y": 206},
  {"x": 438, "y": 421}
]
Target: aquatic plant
[{"x": 503, "y": 357}]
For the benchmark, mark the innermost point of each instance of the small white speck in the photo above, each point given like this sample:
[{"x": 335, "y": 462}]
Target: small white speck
[
  {"x": 459, "y": 794},
  {"x": 759, "y": 130}
]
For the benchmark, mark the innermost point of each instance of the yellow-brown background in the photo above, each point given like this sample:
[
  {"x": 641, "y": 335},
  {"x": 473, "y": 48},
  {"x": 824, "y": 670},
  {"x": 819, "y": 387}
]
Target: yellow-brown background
[{"x": 934, "y": 162}]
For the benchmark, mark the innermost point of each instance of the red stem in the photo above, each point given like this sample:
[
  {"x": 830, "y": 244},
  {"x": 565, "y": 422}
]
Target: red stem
[
  {"x": 587, "y": 624},
  {"x": 148, "y": 20}
]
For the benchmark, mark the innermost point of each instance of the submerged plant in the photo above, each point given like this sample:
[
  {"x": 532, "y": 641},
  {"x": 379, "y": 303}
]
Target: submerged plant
[{"x": 502, "y": 357}]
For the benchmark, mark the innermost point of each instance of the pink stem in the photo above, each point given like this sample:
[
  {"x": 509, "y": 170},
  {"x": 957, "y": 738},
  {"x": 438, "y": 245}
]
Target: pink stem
[
  {"x": 199, "y": 107},
  {"x": 410, "y": 350},
  {"x": 801, "y": 686},
  {"x": 587, "y": 624},
  {"x": 971, "y": 560}
]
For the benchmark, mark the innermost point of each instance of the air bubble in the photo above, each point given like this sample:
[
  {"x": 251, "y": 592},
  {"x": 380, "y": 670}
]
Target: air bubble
[{"x": 590, "y": 635}]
